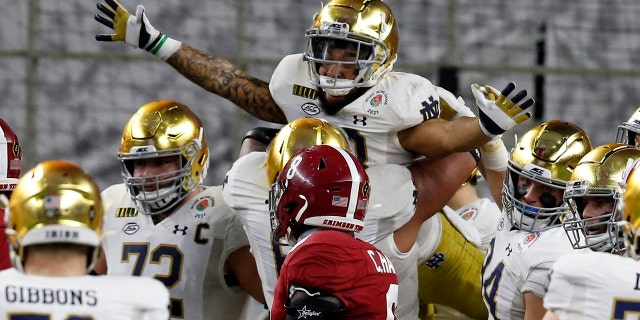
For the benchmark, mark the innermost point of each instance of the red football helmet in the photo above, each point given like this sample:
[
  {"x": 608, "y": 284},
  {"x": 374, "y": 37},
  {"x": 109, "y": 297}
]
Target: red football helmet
[
  {"x": 321, "y": 186},
  {"x": 10, "y": 157}
]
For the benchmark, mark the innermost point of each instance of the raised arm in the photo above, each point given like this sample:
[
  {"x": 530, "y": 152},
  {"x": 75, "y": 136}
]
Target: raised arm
[
  {"x": 499, "y": 111},
  {"x": 212, "y": 73}
]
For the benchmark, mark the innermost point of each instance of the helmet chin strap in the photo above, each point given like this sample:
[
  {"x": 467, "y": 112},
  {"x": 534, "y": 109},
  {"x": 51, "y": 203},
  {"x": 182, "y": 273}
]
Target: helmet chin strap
[{"x": 335, "y": 86}]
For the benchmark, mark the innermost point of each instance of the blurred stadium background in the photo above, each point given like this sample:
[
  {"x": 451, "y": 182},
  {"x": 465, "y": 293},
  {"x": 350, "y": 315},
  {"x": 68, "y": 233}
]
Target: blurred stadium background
[{"x": 69, "y": 96}]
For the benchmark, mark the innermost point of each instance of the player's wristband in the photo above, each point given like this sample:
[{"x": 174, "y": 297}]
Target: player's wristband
[
  {"x": 164, "y": 46},
  {"x": 495, "y": 155}
]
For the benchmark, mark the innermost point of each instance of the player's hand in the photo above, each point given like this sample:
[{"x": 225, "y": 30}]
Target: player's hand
[
  {"x": 500, "y": 111},
  {"x": 134, "y": 30}
]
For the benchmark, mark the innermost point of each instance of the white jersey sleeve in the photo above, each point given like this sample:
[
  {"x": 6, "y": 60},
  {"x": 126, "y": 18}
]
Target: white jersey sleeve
[
  {"x": 397, "y": 102},
  {"x": 186, "y": 251},
  {"x": 83, "y": 297},
  {"x": 594, "y": 285},
  {"x": 246, "y": 191}
]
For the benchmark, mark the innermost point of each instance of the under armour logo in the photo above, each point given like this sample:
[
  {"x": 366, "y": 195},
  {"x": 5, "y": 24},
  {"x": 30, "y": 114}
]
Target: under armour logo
[
  {"x": 177, "y": 228},
  {"x": 363, "y": 120},
  {"x": 508, "y": 250},
  {"x": 436, "y": 260}
]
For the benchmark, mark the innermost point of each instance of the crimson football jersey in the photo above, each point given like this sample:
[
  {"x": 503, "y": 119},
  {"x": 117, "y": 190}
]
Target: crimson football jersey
[{"x": 352, "y": 270}]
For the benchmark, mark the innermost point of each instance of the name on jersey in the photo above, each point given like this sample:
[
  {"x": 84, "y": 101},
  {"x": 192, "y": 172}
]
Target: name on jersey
[
  {"x": 65, "y": 297},
  {"x": 126, "y": 212},
  {"x": 305, "y": 92},
  {"x": 381, "y": 262}
]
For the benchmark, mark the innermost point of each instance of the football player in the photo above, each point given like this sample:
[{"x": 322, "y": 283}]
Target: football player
[
  {"x": 600, "y": 284},
  {"x": 396, "y": 211},
  {"x": 529, "y": 235},
  {"x": 54, "y": 227},
  {"x": 452, "y": 246},
  {"x": 163, "y": 223},
  {"x": 345, "y": 76},
  {"x": 629, "y": 131},
  {"x": 10, "y": 166},
  {"x": 320, "y": 200}
]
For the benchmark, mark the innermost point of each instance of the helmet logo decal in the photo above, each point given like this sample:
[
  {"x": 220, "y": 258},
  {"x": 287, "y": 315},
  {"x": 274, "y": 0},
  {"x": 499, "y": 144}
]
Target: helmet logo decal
[
  {"x": 366, "y": 188},
  {"x": 16, "y": 149},
  {"x": 339, "y": 201},
  {"x": 340, "y": 30},
  {"x": 541, "y": 150},
  {"x": 52, "y": 205},
  {"x": 537, "y": 171},
  {"x": 310, "y": 108}
]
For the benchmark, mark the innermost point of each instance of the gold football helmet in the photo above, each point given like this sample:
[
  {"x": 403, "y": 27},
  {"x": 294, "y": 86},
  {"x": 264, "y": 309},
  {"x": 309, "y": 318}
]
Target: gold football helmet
[
  {"x": 545, "y": 154},
  {"x": 599, "y": 175},
  {"x": 630, "y": 207},
  {"x": 297, "y": 135},
  {"x": 55, "y": 202},
  {"x": 628, "y": 131},
  {"x": 367, "y": 27},
  {"x": 162, "y": 129}
]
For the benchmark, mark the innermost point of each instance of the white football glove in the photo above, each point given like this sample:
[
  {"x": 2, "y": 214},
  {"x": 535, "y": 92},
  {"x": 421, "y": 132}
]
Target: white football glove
[
  {"x": 497, "y": 111},
  {"x": 134, "y": 30}
]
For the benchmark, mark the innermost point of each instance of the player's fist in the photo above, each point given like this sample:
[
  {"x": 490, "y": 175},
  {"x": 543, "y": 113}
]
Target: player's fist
[
  {"x": 134, "y": 30},
  {"x": 498, "y": 111}
]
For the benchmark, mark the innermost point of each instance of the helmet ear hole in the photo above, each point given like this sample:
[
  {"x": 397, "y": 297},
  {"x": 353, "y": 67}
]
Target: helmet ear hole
[
  {"x": 322, "y": 165},
  {"x": 289, "y": 207}
]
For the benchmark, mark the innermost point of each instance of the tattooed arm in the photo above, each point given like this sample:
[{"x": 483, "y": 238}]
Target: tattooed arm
[
  {"x": 212, "y": 73},
  {"x": 221, "y": 77}
]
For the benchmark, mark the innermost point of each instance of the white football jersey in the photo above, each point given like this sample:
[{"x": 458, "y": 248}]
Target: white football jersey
[
  {"x": 518, "y": 262},
  {"x": 84, "y": 297},
  {"x": 397, "y": 102},
  {"x": 186, "y": 251},
  {"x": 391, "y": 205},
  {"x": 594, "y": 285}
]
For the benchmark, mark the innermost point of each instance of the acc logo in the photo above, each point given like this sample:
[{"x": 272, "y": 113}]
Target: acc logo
[
  {"x": 469, "y": 214},
  {"x": 130, "y": 228},
  {"x": 203, "y": 203},
  {"x": 374, "y": 102},
  {"x": 310, "y": 109}
]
